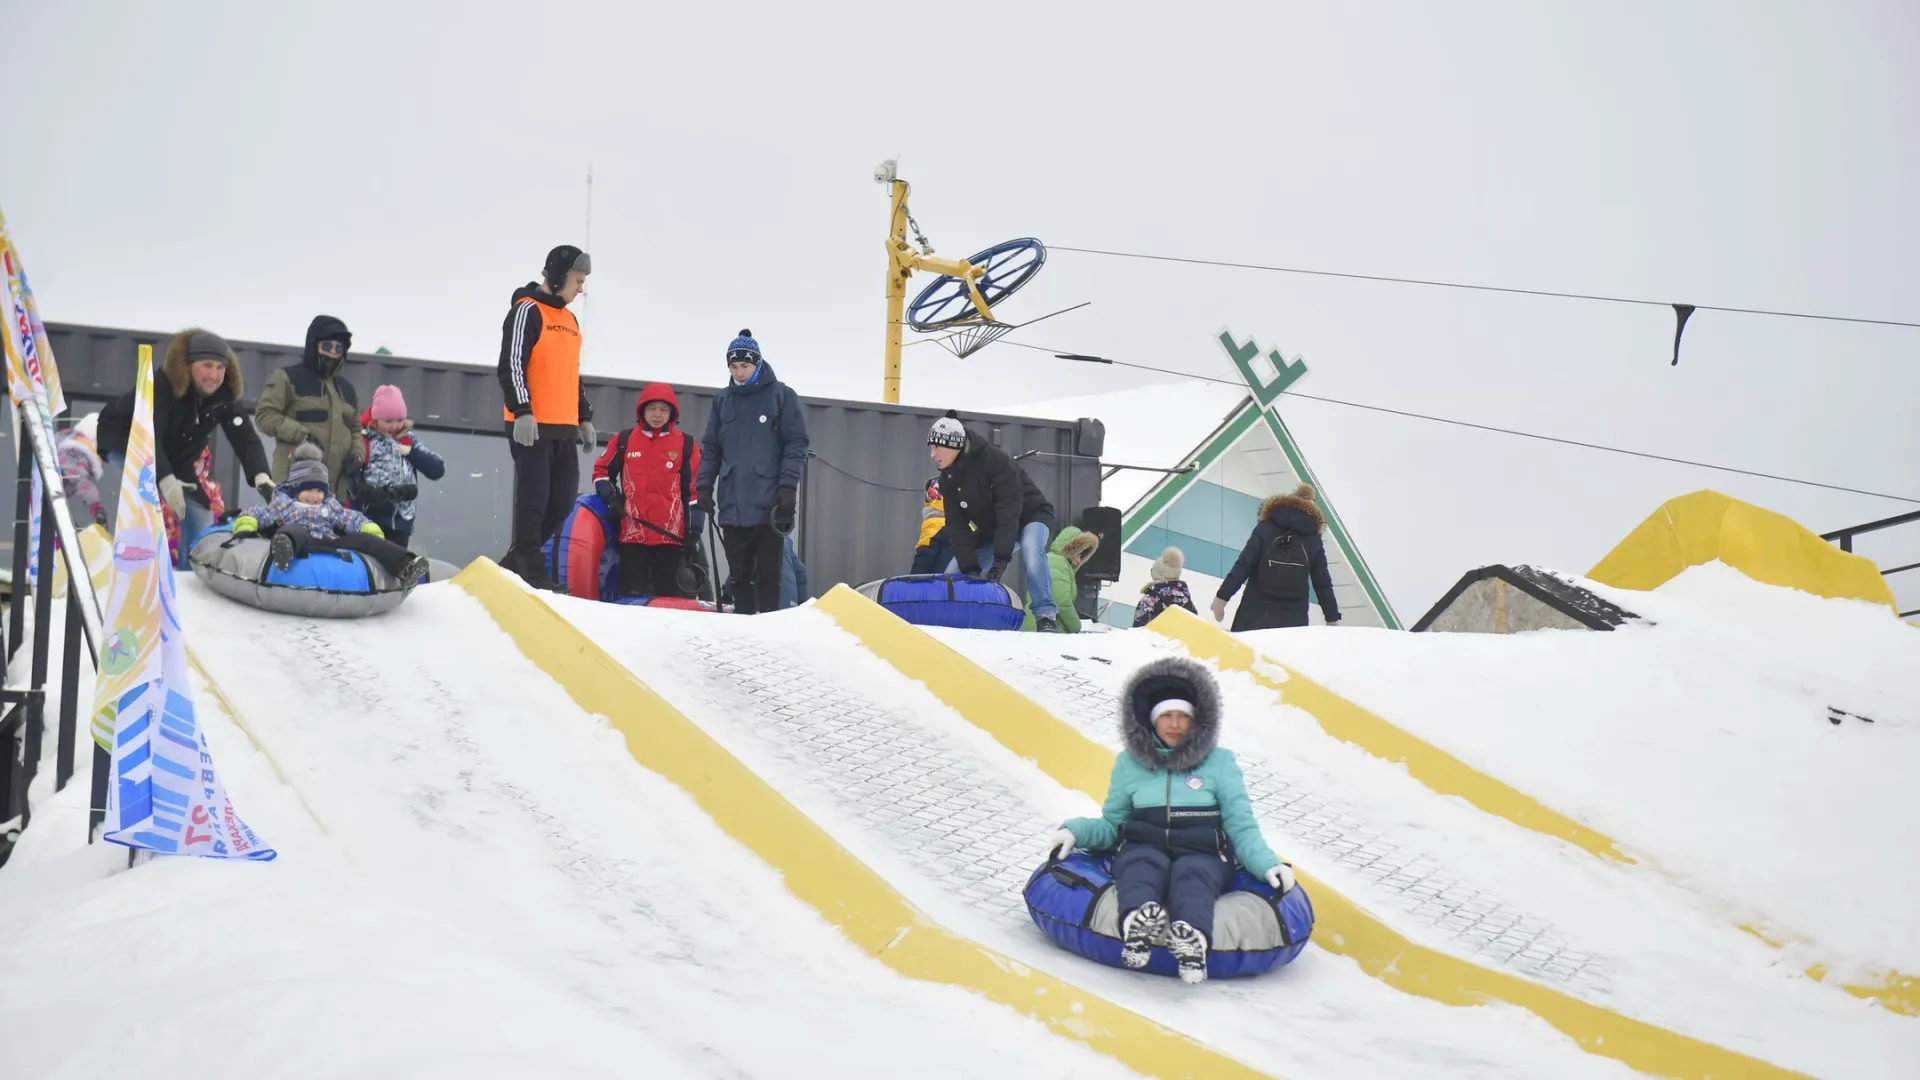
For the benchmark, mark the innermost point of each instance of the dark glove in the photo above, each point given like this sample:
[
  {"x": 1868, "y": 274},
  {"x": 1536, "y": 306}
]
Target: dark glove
[
  {"x": 604, "y": 488},
  {"x": 783, "y": 511},
  {"x": 696, "y": 527},
  {"x": 992, "y": 573},
  {"x": 400, "y": 493}
]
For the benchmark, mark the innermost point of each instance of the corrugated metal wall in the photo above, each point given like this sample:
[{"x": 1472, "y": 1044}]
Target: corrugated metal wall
[{"x": 859, "y": 503}]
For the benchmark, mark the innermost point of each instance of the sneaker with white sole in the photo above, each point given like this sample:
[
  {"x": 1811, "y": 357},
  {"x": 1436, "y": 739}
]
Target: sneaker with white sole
[
  {"x": 1145, "y": 927},
  {"x": 1189, "y": 949}
]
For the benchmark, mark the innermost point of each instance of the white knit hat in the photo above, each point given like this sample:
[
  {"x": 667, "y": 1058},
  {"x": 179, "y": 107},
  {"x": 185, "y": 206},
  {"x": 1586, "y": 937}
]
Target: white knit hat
[
  {"x": 1167, "y": 567},
  {"x": 948, "y": 432}
]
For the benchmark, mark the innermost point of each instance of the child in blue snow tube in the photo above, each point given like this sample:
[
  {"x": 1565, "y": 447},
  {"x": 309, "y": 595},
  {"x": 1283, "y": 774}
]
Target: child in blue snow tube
[{"x": 1177, "y": 810}]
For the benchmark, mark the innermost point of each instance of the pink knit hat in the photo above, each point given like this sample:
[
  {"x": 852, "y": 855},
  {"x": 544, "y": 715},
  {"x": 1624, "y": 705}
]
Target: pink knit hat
[{"x": 388, "y": 404}]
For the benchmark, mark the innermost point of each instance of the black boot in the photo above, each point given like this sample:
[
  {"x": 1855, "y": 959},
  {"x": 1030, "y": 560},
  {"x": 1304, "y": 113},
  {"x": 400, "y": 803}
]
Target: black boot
[{"x": 530, "y": 568}]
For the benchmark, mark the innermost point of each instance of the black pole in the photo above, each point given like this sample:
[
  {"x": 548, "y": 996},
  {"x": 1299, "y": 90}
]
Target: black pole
[
  {"x": 69, "y": 686},
  {"x": 23, "y": 506},
  {"x": 36, "y": 733}
]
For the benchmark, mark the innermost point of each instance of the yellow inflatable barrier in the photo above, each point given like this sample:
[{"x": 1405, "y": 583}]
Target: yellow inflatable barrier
[
  {"x": 1767, "y": 547},
  {"x": 1342, "y": 926},
  {"x": 815, "y": 867}
]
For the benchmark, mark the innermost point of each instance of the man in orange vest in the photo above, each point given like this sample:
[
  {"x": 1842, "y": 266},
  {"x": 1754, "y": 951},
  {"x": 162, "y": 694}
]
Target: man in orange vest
[{"x": 547, "y": 411}]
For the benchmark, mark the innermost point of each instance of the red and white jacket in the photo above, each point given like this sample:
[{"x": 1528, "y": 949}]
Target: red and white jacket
[{"x": 655, "y": 482}]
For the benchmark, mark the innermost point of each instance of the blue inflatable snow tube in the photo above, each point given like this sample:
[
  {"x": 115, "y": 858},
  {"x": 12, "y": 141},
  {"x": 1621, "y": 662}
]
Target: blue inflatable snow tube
[
  {"x": 951, "y": 600},
  {"x": 1254, "y": 929}
]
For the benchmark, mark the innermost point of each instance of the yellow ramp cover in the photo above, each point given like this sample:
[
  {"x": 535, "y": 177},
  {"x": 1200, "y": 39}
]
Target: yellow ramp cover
[
  {"x": 1767, "y": 547},
  {"x": 814, "y": 867},
  {"x": 1341, "y": 926}
]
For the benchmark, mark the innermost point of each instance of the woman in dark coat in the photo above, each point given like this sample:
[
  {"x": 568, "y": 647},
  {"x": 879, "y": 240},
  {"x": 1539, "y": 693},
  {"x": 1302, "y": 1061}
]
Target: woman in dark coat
[{"x": 1282, "y": 556}]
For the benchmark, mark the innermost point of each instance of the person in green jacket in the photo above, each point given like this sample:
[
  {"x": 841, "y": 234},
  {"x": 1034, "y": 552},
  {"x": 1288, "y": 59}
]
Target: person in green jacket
[
  {"x": 312, "y": 402},
  {"x": 1177, "y": 809},
  {"x": 1065, "y": 556}
]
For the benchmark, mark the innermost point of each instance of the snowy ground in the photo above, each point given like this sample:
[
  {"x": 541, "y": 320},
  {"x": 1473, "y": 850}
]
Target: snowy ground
[
  {"x": 956, "y": 822},
  {"x": 1702, "y": 741},
  {"x": 474, "y": 879},
  {"x": 1456, "y": 879}
]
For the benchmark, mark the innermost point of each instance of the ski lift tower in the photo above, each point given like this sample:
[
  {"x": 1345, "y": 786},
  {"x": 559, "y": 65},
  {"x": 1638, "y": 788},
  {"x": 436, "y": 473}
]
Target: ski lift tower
[{"x": 959, "y": 303}]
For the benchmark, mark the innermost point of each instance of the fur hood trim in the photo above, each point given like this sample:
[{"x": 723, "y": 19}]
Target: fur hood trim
[
  {"x": 1170, "y": 677},
  {"x": 175, "y": 367},
  {"x": 1301, "y": 500}
]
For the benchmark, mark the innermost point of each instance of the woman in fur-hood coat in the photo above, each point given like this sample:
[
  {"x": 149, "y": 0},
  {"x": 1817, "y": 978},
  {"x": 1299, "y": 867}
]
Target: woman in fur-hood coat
[
  {"x": 1178, "y": 811},
  {"x": 1282, "y": 557}
]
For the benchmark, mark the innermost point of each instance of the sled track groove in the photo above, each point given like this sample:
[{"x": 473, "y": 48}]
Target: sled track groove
[{"x": 617, "y": 901}]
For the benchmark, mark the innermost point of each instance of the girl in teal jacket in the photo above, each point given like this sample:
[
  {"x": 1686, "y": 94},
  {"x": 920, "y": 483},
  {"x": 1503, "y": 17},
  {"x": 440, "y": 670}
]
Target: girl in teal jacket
[{"x": 1177, "y": 810}]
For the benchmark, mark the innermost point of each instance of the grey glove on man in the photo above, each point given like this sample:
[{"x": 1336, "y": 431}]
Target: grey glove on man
[
  {"x": 589, "y": 438},
  {"x": 525, "y": 429},
  {"x": 175, "y": 494}
]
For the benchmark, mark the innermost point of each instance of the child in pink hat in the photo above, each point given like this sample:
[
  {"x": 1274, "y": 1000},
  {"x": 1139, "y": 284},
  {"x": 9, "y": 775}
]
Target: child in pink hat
[{"x": 386, "y": 484}]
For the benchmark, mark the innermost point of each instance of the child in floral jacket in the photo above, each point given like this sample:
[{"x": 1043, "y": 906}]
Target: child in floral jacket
[
  {"x": 1164, "y": 589},
  {"x": 307, "y": 518}
]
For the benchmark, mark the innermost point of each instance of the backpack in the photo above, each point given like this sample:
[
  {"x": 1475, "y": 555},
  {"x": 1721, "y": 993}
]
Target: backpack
[{"x": 1282, "y": 570}]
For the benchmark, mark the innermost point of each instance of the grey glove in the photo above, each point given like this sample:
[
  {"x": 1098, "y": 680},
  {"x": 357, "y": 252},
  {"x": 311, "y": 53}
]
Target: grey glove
[
  {"x": 263, "y": 484},
  {"x": 175, "y": 495},
  {"x": 589, "y": 438},
  {"x": 525, "y": 429}
]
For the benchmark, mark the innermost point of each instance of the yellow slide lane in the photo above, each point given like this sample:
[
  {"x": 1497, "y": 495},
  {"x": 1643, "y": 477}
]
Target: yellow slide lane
[
  {"x": 815, "y": 867},
  {"x": 1343, "y": 927}
]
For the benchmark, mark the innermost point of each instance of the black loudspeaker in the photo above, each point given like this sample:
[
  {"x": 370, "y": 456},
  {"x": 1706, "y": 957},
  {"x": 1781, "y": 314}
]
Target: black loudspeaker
[{"x": 1104, "y": 522}]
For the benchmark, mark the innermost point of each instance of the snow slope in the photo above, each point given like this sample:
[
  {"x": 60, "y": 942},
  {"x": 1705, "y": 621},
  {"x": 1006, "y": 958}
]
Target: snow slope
[
  {"x": 956, "y": 822},
  {"x": 1702, "y": 740},
  {"x": 1457, "y": 879},
  {"x": 487, "y": 885},
  {"x": 476, "y": 879}
]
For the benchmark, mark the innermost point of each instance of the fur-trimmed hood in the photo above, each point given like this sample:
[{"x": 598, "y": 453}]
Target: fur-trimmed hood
[
  {"x": 1170, "y": 677},
  {"x": 175, "y": 367},
  {"x": 1301, "y": 500}
]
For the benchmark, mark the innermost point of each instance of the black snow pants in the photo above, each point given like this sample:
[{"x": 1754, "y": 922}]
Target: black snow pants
[
  {"x": 1185, "y": 883},
  {"x": 546, "y": 479},
  {"x": 753, "y": 564}
]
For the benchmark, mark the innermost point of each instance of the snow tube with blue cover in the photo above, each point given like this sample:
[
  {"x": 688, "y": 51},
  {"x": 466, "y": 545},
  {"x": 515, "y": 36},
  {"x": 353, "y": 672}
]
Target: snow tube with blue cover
[
  {"x": 1254, "y": 931},
  {"x": 328, "y": 585},
  {"x": 953, "y": 600}
]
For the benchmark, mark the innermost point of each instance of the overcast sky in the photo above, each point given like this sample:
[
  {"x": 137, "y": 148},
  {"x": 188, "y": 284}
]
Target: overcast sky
[{"x": 246, "y": 166}]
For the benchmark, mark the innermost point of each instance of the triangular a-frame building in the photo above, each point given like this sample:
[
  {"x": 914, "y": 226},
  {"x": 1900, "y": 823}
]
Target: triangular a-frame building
[{"x": 1209, "y": 510}]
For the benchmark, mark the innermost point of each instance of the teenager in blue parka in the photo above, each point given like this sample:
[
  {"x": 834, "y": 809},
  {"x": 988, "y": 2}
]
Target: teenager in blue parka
[
  {"x": 750, "y": 460},
  {"x": 1177, "y": 810}
]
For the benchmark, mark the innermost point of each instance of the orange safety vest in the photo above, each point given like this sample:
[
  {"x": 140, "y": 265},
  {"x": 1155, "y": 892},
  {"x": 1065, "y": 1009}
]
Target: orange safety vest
[{"x": 553, "y": 368}]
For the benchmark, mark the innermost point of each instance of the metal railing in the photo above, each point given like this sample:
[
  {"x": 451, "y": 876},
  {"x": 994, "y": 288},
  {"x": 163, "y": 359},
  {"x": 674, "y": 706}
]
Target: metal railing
[
  {"x": 1845, "y": 539},
  {"x": 23, "y": 724}
]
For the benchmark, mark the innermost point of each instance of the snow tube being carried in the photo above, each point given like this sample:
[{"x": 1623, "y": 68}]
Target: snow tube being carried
[
  {"x": 578, "y": 557},
  {"x": 1254, "y": 930},
  {"x": 952, "y": 600},
  {"x": 326, "y": 585}
]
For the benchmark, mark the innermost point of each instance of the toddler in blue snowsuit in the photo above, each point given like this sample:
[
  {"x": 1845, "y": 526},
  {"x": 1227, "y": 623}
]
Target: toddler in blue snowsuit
[{"x": 1177, "y": 809}]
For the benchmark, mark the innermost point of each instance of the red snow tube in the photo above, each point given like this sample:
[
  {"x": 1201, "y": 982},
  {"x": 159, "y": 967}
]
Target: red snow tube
[
  {"x": 676, "y": 602},
  {"x": 578, "y": 558}
]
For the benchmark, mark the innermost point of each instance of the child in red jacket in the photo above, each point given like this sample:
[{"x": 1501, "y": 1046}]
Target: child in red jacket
[{"x": 646, "y": 477}]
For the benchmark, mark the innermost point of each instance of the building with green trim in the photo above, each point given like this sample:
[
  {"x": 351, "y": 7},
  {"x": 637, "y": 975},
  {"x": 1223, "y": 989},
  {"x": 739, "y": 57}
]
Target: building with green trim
[{"x": 1208, "y": 509}]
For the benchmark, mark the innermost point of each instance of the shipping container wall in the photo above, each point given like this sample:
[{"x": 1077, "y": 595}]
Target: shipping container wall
[{"x": 860, "y": 496}]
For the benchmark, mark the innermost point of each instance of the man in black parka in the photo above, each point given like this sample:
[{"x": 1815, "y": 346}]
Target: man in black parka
[{"x": 994, "y": 509}]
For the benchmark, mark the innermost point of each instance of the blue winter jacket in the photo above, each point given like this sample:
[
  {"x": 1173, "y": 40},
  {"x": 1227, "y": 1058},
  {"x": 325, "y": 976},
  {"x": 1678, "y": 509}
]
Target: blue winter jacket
[
  {"x": 754, "y": 445},
  {"x": 1152, "y": 785}
]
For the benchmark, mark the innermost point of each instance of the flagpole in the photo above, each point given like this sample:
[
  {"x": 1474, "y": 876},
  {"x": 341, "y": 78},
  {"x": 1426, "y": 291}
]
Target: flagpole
[{"x": 27, "y": 415}]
